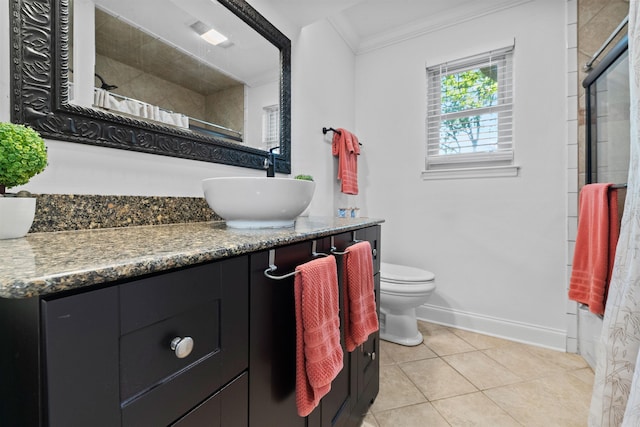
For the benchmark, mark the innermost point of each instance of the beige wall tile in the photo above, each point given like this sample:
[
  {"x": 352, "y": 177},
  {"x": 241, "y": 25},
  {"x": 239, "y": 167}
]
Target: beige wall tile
[{"x": 596, "y": 21}]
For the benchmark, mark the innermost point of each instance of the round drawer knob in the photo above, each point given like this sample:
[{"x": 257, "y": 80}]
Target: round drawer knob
[
  {"x": 374, "y": 252},
  {"x": 182, "y": 346}
]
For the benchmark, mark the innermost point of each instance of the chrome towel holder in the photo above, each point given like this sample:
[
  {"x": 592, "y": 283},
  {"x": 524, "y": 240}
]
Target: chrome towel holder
[
  {"x": 273, "y": 267},
  {"x": 272, "y": 257}
]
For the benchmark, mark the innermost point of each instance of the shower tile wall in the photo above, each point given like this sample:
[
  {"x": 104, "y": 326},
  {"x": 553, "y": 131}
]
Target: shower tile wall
[
  {"x": 156, "y": 91},
  {"x": 596, "y": 20},
  {"x": 150, "y": 70},
  {"x": 589, "y": 24},
  {"x": 149, "y": 88}
]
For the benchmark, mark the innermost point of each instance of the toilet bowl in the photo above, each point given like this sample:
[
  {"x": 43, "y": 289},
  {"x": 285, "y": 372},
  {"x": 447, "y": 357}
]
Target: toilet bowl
[{"x": 402, "y": 290}]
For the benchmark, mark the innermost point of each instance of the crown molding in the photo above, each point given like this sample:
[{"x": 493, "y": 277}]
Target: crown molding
[{"x": 437, "y": 22}]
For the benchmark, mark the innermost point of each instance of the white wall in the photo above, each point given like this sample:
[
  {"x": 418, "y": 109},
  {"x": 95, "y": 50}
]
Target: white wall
[
  {"x": 85, "y": 169},
  {"x": 323, "y": 96},
  {"x": 256, "y": 99},
  {"x": 496, "y": 245}
]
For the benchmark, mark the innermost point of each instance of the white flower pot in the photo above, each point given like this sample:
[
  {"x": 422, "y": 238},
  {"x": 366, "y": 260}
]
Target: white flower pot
[{"x": 16, "y": 216}]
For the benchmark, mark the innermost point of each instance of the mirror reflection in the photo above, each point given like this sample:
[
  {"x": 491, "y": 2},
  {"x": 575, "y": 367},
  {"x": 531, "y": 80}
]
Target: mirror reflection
[{"x": 159, "y": 68}]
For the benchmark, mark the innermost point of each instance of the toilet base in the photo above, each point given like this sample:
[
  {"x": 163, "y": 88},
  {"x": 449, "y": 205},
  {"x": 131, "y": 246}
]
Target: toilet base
[
  {"x": 400, "y": 327},
  {"x": 409, "y": 342}
]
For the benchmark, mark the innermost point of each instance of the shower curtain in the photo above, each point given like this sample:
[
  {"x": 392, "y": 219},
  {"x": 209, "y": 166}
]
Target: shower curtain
[{"x": 616, "y": 390}]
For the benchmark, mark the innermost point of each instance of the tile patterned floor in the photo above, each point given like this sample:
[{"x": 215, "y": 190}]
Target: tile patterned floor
[{"x": 460, "y": 378}]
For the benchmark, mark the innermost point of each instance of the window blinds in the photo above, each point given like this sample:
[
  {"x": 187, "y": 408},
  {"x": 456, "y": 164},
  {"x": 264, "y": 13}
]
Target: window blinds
[
  {"x": 470, "y": 111},
  {"x": 271, "y": 125}
]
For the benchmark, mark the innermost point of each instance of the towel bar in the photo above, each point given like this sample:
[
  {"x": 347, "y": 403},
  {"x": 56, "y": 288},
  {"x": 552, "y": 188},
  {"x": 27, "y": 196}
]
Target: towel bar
[
  {"x": 336, "y": 252},
  {"x": 325, "y": 130},
  {"x": 273, "y": 267}
]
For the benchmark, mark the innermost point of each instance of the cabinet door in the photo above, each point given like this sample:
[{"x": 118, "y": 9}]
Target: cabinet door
[
  {"x": 372, "y": 235},
  {"x": 337, "y": 404},
  {"x": 81, "y": 350},
  {"x": 355, "y": 388},
  {"x": 368, "y": 362},
  {"x": 367, "y": 355},
  {"x": 272, "y": 356}
]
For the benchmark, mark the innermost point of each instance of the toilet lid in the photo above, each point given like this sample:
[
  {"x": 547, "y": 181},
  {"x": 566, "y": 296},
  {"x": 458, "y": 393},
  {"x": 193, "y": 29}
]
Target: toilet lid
[{"x": 403, "y": 273}]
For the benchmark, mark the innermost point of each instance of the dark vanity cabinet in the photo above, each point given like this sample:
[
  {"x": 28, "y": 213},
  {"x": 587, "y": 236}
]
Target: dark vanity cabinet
[
  {"x": 207, "y": 345},
  {"x": 162, "y": 350},
  {"x": 272, "y": 351}
]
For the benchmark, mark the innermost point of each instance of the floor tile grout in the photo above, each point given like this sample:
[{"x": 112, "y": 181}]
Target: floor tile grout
[{"x": 542, "y": 370}]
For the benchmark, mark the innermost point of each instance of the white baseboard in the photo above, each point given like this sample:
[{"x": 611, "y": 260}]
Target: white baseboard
[{"x": 537, "y": 335}]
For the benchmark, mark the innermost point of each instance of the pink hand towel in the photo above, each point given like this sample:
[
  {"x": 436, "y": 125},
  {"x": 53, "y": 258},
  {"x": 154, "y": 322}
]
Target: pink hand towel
[
  {"x": 360, "y": 315},
  {"x": 318, "y": 350},
  {"x": 345, "y": 145},
  {"x": 598, "y": 231}
]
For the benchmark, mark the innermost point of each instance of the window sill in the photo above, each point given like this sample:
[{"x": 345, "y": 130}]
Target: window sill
[{"x": 477, "y": 172}]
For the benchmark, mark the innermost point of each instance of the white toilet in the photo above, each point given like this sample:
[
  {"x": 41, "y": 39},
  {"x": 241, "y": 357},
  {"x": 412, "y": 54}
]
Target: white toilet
[{"x": 402, "y": 290}]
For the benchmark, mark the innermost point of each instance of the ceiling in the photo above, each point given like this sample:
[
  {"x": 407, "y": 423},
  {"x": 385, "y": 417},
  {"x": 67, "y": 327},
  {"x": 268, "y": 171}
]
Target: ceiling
[{"x": 370, "y": 24}]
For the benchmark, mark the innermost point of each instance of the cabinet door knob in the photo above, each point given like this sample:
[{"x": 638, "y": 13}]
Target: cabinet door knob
[
  {"x": 374, "y": 252},
  {"x": 372, "y": 355},
  {"x": 182, "y": 346}
]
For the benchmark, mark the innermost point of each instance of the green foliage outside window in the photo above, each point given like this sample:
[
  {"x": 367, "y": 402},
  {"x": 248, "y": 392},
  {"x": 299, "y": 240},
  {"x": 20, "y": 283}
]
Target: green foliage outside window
[{"x": 467, "y": 91}]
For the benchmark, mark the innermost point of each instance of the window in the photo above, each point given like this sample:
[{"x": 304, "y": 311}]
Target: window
[
  {"x": 469, "y": 113},
  {"x": 271, "y": 126}
]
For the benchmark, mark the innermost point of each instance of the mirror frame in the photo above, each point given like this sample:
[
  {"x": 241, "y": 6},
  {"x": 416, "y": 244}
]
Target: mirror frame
[{"x": 40, "y": 96}]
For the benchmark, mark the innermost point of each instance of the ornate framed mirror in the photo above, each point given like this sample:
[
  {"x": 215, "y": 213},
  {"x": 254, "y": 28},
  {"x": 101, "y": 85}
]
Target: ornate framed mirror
[{"x": 46, "y": 83}]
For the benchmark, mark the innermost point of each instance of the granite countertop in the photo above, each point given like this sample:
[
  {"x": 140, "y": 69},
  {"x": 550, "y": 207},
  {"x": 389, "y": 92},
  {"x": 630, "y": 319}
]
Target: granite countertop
[{"x": 45, "y": 263}]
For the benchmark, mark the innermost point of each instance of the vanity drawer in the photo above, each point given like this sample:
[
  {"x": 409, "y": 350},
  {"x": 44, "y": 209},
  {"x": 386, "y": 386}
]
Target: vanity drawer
[
  {"x": 228, "y": 407},
  {"x": 147, "y": 301},
  {"x": 207, "y": 303},
  {"x": 147, "y": 359}
]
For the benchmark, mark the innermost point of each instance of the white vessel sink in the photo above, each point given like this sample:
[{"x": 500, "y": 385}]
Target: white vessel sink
[{"x": 258, "y": 202}]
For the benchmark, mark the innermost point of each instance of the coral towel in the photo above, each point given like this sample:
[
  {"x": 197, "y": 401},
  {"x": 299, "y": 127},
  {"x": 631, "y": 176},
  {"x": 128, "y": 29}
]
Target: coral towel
[
  {"x": 598, "y": 231},
  {"x": 345, "y": 145},
  {"x": 318, "y": 350},
  {"x": 360, "y": 316}
]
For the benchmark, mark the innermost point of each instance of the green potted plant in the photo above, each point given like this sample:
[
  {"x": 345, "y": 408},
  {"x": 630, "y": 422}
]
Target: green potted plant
[
  {"x": 304, "y": 177},
  {"x": 23, "y": 154}
]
